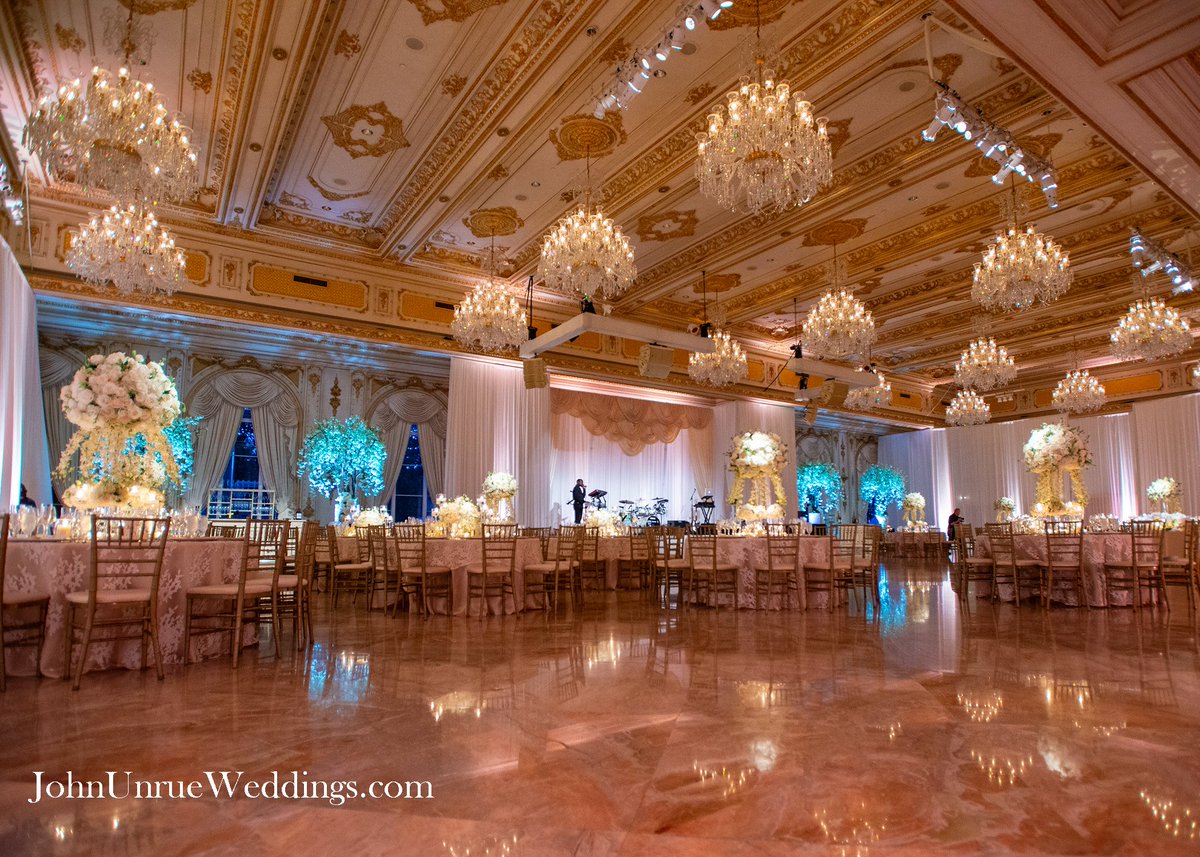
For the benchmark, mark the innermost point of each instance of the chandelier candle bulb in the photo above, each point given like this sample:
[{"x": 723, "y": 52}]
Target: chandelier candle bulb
[
  {"x": 838, "y": 326},
  {"x": 985, "y": 365},
  {"x": 1079, "y": 393},
  {"x": 724, "y": 365}
]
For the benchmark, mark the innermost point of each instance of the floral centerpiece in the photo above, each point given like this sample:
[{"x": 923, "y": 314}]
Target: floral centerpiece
[
  {"x": 913, "y": 506},
  {"x": 1052, "y": 450},
  {"x": 1103, "y": 524},
  {"x": 879, "y": 487},
  {"x": 342, "y": 457},
  {"x": 819, "y": 486},
  {"x": 1165, "y": 492},
  {"x": 455, "y": 519},
  {"x": 1005, "y": 508},
  {"x": 122, "y": 405},
  {"x": 375, "y": 516},
  {"x": 757, "y": 457},
  {"x": 606, "y": 521},
  {"x": 499, "y": 489}
]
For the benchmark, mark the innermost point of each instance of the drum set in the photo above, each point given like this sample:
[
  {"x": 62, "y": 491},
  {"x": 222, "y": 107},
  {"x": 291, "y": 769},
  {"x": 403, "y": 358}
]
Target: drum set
[{"x": 643, "y": 513}]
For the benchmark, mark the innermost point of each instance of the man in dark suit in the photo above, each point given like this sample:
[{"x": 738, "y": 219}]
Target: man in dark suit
[{"x": 578, "y": 497}]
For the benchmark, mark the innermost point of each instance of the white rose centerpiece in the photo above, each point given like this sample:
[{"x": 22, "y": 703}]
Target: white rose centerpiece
[
  {"x": 499, "y": 489},
  {"x": 757, "y": 457},
  {"x": 456, "y": 519},
  {"x": 1052, "y": 450},
  {"x": 1004, "y": 508},
  {"x": 913, "y": 506},
  {"x": 1166, "y": 492}
]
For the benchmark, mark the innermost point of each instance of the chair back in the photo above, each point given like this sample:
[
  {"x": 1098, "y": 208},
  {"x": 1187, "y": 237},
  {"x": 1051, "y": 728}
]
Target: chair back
[
  {"x": 589, "y": 544},
  {"x": 843, "y": 542},
  {"x": 5, "y": 520},
  {"x": 322, "y": 552},
  {"x": 542, "y": 534},
  {"x": 869, "y": 542},
  {"x": 1003, "y": 548},
  {"x": 408, "y": 543},
  {"x": 639, "y": 548},
  {"x": 225, "y": 529},
  {"x": 266, "y": 546},
  {"x": 783, "y": 548},
  {"x": 377, "y": 544},
  {"x": 499, "y": 548},
  {"x": 1147, "y": 540},
  {"x": 127, "y": 553},
  {"x": 1064, "y": 544},
  {"x": 703, "y": 551},
  {"x": 566, "y": 548},
  {"x": 1191, "y": 543},
  {"x": 306, "y": 551}
]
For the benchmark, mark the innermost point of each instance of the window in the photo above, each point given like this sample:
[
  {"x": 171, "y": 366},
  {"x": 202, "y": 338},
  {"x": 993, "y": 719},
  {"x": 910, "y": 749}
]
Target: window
[
  {"x": 411, "y": 497},
  {"x": 241, "y": 493},
  {"x": 242, "y": 470}
]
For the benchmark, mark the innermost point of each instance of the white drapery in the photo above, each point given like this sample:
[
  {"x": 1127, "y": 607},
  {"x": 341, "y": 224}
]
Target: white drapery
[
  {"x": 23, "y": 454},
  {"x": 57, "y": 370},
  {"x": 1166, "y": 433},
  {"x": 923, "y": 459},
  {"x": 220, "y": 399},
  {"x": 731, "y": 418},
  {"x": 494, "y": 423},
  {"x": 393, "y": 416}
]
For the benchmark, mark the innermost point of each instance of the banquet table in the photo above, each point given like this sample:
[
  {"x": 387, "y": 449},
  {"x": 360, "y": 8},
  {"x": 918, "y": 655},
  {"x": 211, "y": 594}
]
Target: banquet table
[
  {"x": 1098, "y": 548},
  {"x": 54, "y": 567}
]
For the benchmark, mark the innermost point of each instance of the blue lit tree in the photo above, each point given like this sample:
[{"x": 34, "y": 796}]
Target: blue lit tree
[
  {"x": 879, "y": 488},
  {"x": 344, "y": 457},
  {"x": 819, "y": 486}
]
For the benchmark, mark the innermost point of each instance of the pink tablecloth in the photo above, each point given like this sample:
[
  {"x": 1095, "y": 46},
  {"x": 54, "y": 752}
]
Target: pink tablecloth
[
  {"x": 1098, "y": 548},
  {"x": 55, "y": 568},
  {"x": 747, "y": 553}
]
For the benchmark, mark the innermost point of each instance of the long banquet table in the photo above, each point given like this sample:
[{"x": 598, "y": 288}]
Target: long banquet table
[
  {"x": 54, "y": 568},
  {"x": 1098, "y": 548}
]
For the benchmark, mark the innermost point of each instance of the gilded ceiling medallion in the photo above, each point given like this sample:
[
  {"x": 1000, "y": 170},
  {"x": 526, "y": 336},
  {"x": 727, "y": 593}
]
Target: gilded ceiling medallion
[
  {"x": 68, "y": 39},
  {"x": 750, "y": 14},
  {"x": 946, "y": 65},
  {"x": 356, "y": 216},
  {"x": 617, "y": 52},
  {"x": 153, "y": 7},
  {"x": 718, "y": 283},
  {"x": 452, "y": 10},
  {"x": 298, "y": 202},
  {"x": 584, "y": 135},
  {"x": 201, "y": 80},
  {"x": 834, "y": 232},
  {"x": 366, "y": 130},
  {"x": 1041, "y": 145},
  {"x": 667, "y": 225},
  {"x": 486, "y": 222},
  {"x": 332, "y": 195},
  {"x": 347, "y": 44},
  {"x": 498, "y": 172}
]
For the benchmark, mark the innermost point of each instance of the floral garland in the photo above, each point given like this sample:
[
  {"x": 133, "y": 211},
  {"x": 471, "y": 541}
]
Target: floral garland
[
  {"x": 456, "y": 519},
  {"x": 123, "y": 405},
  {"x": 1166, "y": 492},
  {"x": 1052, "y": 449}
]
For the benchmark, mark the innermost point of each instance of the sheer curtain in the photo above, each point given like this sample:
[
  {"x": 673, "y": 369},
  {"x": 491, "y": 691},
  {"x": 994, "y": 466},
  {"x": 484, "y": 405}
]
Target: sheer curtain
[
  {"x": 57, "y": 371},
  {"x": 1111, "y": 482},
  {"x": 395, "y": 416},
  {"x": 275, "y": 424},
  {"x": 1166, "y": 434},
  {"x": 23, "y": 454},
  {"x": 923, "y": 458},
  {"x": 730, "y": 418},
  {"x": 494, "y": 423}
]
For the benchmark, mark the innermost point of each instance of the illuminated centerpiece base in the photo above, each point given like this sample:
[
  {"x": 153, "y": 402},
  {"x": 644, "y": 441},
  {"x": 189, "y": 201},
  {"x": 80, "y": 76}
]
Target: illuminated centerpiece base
[
  {"x": 1055, "y": 450},
  {"x": 454, "y": 519},
  {"x": 913, "y": 506},
  {"x": 496, "y": 502},
  {"x": 606, "y": 521}
]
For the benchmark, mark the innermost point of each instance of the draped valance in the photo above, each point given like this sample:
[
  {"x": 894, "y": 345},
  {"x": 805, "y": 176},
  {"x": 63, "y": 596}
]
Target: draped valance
[{"x": 633, "y": 424}]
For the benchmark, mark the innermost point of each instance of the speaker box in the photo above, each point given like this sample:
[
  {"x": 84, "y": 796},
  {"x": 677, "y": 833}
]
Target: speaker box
[
  {"x": 654, "y": 361},
  {"x": 535, "y": 373}
]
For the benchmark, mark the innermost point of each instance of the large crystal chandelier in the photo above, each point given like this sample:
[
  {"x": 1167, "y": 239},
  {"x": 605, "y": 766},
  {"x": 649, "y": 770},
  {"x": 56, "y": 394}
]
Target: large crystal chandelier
[
  {"x": 127, "y": 247},
  {"x": 967, "y": 408},
  {"x": 984, "y": 365},
  {"x": 839, "y": 325},
  {"x": 763, "y": 150},
  {"x": 724, "y": 365},
  {"x": 1022, "y": 266},
  {"x": 586, "y": 254},
  {"x": 1151, "y": 330},
  {"x": 1079, "y": 393},
  {"x": 870, "y": 398},
  {"x": 114, "y": 134},
  {"x": 489, "y": 319}
]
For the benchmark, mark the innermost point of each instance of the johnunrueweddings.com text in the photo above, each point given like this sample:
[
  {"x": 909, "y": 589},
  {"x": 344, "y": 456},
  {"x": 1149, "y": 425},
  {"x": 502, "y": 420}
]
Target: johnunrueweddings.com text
[{"x": 224, "y": 785}]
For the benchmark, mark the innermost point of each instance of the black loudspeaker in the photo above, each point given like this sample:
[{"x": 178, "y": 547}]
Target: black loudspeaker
[{"x": 535, "y": 373}]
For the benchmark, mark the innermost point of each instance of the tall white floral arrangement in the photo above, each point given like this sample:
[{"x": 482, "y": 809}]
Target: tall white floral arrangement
[
  {"x": 757, "y": 458},
  {"x": 1054, "y": 449}
]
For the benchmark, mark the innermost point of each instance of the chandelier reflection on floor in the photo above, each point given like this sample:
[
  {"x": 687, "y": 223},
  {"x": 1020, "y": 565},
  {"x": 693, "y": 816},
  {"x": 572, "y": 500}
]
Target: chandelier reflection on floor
[
  {"x": 1023, "y": 266},
  {"x": 1079, "y": 393},
  {"x": 1150, "y": 330},
  {"x": 489, "y": 319},
  {"x": 763, "y": 150},
  {"x": 870, "y": 398},
  {"x": 586, "y": 254},
  {"x": 967, "y": 408},
  {"x": 839, "y": 325},
  {"x": 984, "y": 365},
  {"x": 127, "y": 247}
]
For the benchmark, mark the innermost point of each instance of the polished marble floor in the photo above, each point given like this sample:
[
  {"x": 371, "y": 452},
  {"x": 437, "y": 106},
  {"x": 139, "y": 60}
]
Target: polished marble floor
[{"x": 923, "y": 727}]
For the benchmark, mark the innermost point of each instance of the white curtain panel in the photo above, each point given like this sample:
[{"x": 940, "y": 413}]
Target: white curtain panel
[
  {"x": 1111, "y": 482},
  {"x": 494, "y": 423},
  {"x": 275, "y": 426},
  {"x": 57, "y": 371},
  {"x": 1166, "y": 433},
  {"x": 394, "y": 417},
  {"x": 23, "y": 454},
  {"x": 730, "y": 418},
  {"x": 658, "y": 470},
  {"x": 433, "y": 456},
  {"x": 923, "y": 459}
]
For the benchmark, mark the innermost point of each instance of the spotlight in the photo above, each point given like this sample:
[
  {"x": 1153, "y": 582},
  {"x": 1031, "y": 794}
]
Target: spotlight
[
  {"x": 676, "y": 40},
  {"x": 644, "y": 62},
  {"x": 662, "y": 52},
  {"x": 689, "y": 22},
  {"x": 931, "y": 132}
]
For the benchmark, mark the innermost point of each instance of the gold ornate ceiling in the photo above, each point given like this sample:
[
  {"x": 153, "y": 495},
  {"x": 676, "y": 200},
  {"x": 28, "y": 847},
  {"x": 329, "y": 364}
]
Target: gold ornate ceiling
[{"x": 387, "y": 143}]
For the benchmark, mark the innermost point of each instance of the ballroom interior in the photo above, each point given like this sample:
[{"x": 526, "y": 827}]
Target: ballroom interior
[{"x": 890, "y": 304}]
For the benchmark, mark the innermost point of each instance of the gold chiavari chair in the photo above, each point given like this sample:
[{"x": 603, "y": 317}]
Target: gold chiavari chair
[
  {"x": 969, "y": 568},
  {"x": 634, "y": 572},
  {"x": 592, "y": 570},
  {"x": 17, "y": 627},
  {"x": 384, "y": 577},
  {"x": 836, "y": 573},
  {"x": 668, "y": 561},
  {"x": 1064, "y": 561},
  {"x": 1143, "y": 568},
  {"x": 322, "y": 559},
  {"x": 305, "y": 571},
  {"x": 542, "y": 534},
  {"x": 1004, "y": 558},
  {"x": 275, "y": 549},
  {"x": 865, "y": 568},
  {"x": 547, "y": 577},
  {"x": 781, "y": 573},
  {"x": 1184, "y": 570},
  {"x": 225, "y": 529},
  {"x": 419, "y": 581},
  {"x": 123, "y": 551},
  {"x": 351, "y": 569},
  {"x": 494, "y": 575}
]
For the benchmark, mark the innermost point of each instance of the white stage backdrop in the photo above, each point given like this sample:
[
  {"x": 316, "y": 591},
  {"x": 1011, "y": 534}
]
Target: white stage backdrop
[
  {"x": 971, "y": 467},
  {"x": 730, "y": 418},
  {"x": 23, "y": 454}
]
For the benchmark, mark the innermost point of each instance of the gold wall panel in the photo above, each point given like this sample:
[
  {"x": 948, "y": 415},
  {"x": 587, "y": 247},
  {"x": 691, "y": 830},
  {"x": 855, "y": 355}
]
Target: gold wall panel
[
  {"x": 195, "y": 266},
  {"x": 1150, "y": 382},
  {"x": 425, "y": 308},
  {"x": 266, "y": 280},
  {"x": 754, "y": 370}
]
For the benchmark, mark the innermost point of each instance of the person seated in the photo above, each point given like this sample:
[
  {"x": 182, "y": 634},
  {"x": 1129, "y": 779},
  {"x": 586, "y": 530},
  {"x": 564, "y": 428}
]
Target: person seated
[{"x": 25, "y": 499}]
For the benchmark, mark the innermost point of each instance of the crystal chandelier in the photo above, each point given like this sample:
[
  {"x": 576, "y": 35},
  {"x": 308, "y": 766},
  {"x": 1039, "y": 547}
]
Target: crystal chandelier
[
  {"x": 967, "y": 408},
  {"x": 1151, "y": 330},
  {"x": 489, "y": 319},
  {"x": 1079, "y": 393},
  {"x": 1021, "y": 267},
  {"x": 870, "y": 398},
  {"x": 839, "y": 325},
  {"x": 586, "y": 254},
  {"x": 763, "y": 150},
  {"x": 127, "y": 247},
  {"x": 984, "y": 365},
  {"x": 724, "y": 365},
  {"x": 114, "y": 134}
]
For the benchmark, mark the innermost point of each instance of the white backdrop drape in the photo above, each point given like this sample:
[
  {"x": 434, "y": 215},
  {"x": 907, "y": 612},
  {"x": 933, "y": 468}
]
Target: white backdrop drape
[
  {"x": 730, "y": 418},
  {"x": 923, "y": 459},
  {"x": 394, "y": 416},
  {"x": 57, "y": 371},
  {"x": 23, "y": 454},
  {"x": 1166, "y": 435},
  {"x": 494, "y": 423}
]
